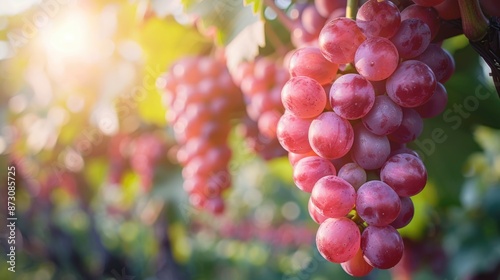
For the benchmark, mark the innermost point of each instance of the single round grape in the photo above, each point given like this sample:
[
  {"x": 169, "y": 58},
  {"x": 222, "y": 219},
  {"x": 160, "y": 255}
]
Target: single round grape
[
  {"x": 357, "y": 266},
  {"x": 309, "y": 61},
  {"x": 292, "y": 133},
  {"x": 435, "y": 105},
  {"x": 353, "y": 174},
  {"x": 338, "y": 239},
  {"x": 370, "y": 151},
  {"x": 377, "y": 203},
  {"x": 428, "y": 15},
  {"x": 330, "y": 136},
  {"x": 439, "y": 60},
  {"x": 352, "y": 96},
  {"x": 312, "y": 20},
  {"x": 303, "y": 97},
  {"x": 309, "y": 170},
  {"x": 333, "y": 196},
  {"x": 411, "y": 127},
  {"x": 412, "y": 38},
  {"x": 406, "y": 214},
  {"x": 339, "y": 39},
  {"x": 412, "y": 84},
  {"x": 384, "y": 117},
  {"x": 378, "y": 18},
  {"x": 405, "y": 173},
  {"x": 382, "y": 246},
  {"x": 376, "y": 58}
]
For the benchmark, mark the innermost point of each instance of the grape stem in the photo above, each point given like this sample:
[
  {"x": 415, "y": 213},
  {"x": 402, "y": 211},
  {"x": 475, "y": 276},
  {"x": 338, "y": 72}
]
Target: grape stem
[
  {"x": 474, "y": 23},
  {"x": 352, "y": 9},
  {"x": 282, "y": 17}
]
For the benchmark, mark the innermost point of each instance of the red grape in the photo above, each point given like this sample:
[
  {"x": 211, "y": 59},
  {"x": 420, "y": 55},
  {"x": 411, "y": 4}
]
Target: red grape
[
  {"x": 412, "y": 38},
  {"x": 333, "y": 196},
  {"x": 338, "y": 239},
  {"x": 357, "y": 266},
  {"x": 378, "y": 18},
  {"x": 376, "y": 59},
  {"x": 309, "y": 170},
  {"x": 310, "y": 62},
  {"x": 339, "y": 39},
  {"x": 412, "y": 84},
  {"x": 405, "y": 173},
  {"x": 377, "y": 203},
  {"x": 382, "y": 246},
  {"x": 352, "y": 96},
  {"x": 303, "y": 97},
  {"x": 330, "y": 136}
]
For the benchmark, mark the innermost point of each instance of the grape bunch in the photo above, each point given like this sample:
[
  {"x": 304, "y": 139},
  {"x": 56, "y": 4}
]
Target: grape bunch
[
  {"x": 261, "y": 82},
  {"x": 352, "y": 104},
  {"x": 146, "y": 150},
  {"x": 201, "y": 99},
  {"x": 141, "y": 153}
]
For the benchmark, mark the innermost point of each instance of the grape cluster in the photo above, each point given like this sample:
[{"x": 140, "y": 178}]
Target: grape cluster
[
  {"x": 261, "y": 82},
  {"x": 201, "y": 99},
  {"x": 141, "y": 154},
  {"x": 146, "y": 150},
  {"x": 352, "y": 104}
]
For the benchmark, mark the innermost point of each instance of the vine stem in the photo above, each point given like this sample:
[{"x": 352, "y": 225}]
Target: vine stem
[
  {"x": 352, "y": 9},
  {"x": 282, "y": 17},
  {"x": 474, "y": 23}
]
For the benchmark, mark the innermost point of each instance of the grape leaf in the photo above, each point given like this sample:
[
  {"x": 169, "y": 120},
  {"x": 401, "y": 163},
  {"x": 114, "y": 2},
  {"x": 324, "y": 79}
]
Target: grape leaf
[
  {"x": 159, "y": 52},
  {"x": 230, "y": 17},
  {"x": 256, "y": 5},
  {"x": 246, "y": 45}
]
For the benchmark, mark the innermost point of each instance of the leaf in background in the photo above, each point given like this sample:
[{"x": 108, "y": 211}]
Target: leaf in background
[
  {"x": 230, "y": 17},
  {"x": 246, "y": 45},
  {"x": 163, "y": 42},
  {"x": 256, "y": 5}
]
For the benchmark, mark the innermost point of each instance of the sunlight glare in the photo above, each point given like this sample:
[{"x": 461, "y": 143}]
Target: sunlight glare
[{"x": 71, "y": 36}]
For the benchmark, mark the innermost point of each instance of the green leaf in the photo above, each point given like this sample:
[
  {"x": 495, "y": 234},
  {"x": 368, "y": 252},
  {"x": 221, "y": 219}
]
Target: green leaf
[
  {"x": 246, "y": 45},
  {"x": 230, "y": 17},
  {"x": 256, "y": 5},
  {"x": 161, "y": 51}
]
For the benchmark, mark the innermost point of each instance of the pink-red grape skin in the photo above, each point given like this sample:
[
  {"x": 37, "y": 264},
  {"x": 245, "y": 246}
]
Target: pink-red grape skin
[
  {"x": 376, "y": 59},
  {"x": 338, "y": 239},
  {"x": 352, "y": 96},
  {"x": 378, "y": 18},
  {"x": 339, "y": 39},
  {"x": 303, "y": 97},
  {"x": 405, "y": 173},
  {"x": 333, "y": 196},
  {"x": 330, "y": 136},
  {"x": 382, "y": 246},
  {"x": 309, "y": 170}
]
